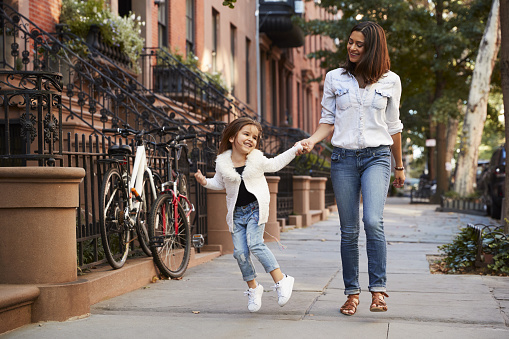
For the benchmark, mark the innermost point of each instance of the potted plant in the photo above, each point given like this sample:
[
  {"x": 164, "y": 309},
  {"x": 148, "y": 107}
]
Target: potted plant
[{"x": 94, "y": 17}]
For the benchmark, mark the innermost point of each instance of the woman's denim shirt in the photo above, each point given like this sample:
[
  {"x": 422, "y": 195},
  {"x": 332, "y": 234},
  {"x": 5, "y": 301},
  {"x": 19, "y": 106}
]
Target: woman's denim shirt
[{"x": 360, "y": 122}]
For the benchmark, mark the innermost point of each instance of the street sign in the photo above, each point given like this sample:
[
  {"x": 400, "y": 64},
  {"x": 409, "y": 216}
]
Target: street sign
[{"x": 431, "y": 142}]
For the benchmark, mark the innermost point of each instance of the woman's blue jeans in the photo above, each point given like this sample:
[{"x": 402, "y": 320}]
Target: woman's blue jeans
[
  {"x": 248, "y": 238},
  {"x": 368, "y": 171}
]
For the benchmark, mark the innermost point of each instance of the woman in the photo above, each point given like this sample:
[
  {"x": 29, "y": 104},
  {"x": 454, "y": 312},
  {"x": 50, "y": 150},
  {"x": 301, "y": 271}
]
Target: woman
[{"x": 360, "y": 106}]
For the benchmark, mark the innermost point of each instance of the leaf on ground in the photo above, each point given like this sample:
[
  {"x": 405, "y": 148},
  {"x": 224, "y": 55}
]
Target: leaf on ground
[{"x": 196, "y": 312}]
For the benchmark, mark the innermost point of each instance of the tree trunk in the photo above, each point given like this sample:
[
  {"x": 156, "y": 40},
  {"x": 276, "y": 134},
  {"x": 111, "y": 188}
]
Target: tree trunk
[
  {"x": 440, "y": 138},
  {"x": 504, "y": 71},
  {"x": 477, "y": 105},
  {"x": 442, "y": 182},
  {"x": 452, "y": 136}
]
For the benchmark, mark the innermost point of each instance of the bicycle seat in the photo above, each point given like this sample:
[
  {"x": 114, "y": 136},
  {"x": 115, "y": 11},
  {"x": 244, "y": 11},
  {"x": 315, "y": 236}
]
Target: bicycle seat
[{"x": 119, "y": 149}]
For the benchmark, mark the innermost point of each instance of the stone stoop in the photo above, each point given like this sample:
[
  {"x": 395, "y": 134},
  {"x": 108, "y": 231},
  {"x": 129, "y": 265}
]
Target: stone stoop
[
  {"x": 316, "y": 216},
  {"x": 25, "y": 304},
  {"x": 16, "y": 303}
]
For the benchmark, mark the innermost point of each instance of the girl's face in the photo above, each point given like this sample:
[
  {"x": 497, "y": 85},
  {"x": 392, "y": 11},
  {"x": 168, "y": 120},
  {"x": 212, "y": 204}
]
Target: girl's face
[
  {"x": 355, "y": 46},
  {"x": 246, "y": 139}
]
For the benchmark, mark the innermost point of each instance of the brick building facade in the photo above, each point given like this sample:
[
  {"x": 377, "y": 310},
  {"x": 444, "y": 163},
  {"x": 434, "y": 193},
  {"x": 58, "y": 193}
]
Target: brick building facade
[{"x": 224, "y": 40}]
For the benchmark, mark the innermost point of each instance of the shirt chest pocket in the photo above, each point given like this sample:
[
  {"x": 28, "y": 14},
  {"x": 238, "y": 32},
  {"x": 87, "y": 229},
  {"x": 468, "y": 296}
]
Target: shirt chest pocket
[
  {"x": 381, "y": 98},
  {"x": 343, "y": 99}
]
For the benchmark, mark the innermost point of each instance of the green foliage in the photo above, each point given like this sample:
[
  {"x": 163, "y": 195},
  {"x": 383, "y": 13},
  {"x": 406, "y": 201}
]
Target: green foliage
[
  {"x": 191, "y": 61},
  {"x": 501, "y": 258},
  {"x": 229, "y": 3},
  {"x": 122, "y": 32},
  {"x": 460, "y": 255},
  {"x": 455, "y": 195}
]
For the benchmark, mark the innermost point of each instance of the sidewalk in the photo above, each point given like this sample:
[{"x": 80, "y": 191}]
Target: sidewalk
[{"x": 209, "y": 302}]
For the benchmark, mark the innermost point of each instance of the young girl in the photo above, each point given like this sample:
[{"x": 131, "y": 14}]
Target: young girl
[{"x": 240, "y": 168}]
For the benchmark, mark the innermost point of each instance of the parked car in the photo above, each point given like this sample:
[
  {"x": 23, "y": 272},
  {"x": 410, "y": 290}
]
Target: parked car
[{"x": 492, "y": 183}]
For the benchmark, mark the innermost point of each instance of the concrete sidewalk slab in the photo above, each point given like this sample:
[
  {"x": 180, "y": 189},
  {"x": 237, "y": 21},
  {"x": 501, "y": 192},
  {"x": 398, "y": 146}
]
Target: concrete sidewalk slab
[{"x": 421, "y": 305}]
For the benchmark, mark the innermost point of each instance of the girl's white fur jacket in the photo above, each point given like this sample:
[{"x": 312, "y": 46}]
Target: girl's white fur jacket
[{"x": 257, "y": 164}]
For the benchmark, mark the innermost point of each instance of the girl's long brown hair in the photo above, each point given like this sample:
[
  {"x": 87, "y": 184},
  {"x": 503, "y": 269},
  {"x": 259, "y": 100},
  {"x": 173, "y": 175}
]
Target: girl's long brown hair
[
  {"x": 233, "y": 128},
  {"x": 375, "y": 62}
]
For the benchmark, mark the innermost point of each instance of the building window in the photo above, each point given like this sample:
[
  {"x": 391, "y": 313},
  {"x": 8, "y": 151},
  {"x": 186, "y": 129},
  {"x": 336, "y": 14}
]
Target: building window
[
  {"x": 233, "y": 46},
  {"x": 189, "y": 26},
  {"x": 273, "y": 70},
  {"x": 299, "y": 120},
  {"x": 263, "y": 77},
  {"x": 248, "y": 71},
  {"x": 124, "y": 7},
  {"x": 215, "y": 38},
  {"x": 162, "y": 28}
]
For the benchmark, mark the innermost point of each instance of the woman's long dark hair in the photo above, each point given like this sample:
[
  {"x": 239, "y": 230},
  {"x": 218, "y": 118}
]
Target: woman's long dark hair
[
  {"x": 233, "y": 128},
  {"x": 375, "y": 62}
]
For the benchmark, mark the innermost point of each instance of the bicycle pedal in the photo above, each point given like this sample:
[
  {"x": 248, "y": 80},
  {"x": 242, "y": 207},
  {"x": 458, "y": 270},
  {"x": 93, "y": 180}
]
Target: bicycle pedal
[
  {"x": 157, "y": 241},
  {"x": 198, "y": 240}
]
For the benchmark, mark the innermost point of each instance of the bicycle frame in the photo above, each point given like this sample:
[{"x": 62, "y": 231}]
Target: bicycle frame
[
  {"x": 140, "y": 166},
  {"x": 175, "y": 202}
]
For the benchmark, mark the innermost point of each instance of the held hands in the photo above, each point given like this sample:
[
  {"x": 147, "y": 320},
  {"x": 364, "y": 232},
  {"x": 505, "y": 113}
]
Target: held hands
[
  {"x": 200, "y": 178},
  {"x": 306, "y": 146}
]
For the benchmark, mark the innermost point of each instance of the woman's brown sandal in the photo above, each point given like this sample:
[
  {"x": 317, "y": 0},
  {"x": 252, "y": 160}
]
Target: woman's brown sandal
[
  {"x": 350, "y": 306},
  {"x": 377, "y": 302}
]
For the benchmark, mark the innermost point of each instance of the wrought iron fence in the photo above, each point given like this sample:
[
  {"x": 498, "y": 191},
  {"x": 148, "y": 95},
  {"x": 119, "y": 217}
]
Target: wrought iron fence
[{"x": 46, "y": 83}]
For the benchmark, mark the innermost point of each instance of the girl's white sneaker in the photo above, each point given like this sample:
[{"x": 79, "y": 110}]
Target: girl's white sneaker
[
  {"x": 255, "y": 298},
  {"x": 284, "y": 289}
]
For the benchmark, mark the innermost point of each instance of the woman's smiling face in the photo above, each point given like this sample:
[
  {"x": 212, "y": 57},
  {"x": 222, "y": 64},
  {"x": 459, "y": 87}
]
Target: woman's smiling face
[{"x": 355, "y": 46}]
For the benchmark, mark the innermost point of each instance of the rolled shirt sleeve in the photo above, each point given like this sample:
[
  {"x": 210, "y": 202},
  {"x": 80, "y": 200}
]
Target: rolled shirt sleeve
[
  {"x": 394, "y": 124},
  {"x": 328, "y": 102}
]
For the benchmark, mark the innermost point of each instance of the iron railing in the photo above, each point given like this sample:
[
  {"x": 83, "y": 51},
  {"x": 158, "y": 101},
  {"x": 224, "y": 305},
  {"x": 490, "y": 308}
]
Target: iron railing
[
  {"x": 488, "y": 240},
  {"x": 47, "y": 84}
]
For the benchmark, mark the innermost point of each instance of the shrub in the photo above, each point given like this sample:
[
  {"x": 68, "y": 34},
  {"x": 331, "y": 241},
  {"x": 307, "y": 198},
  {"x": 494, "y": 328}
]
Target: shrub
[{"x": 122, "y": 32}]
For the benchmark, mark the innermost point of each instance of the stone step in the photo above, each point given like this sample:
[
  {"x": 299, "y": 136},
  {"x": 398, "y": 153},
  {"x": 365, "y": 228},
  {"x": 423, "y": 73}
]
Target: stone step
[{"x": 59, "y": 302}]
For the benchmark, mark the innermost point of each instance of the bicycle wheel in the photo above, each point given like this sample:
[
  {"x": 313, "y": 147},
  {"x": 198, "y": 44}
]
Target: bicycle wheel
[
  {"x": 147, "y": 200},
  {"x": 115, "y": 234},
  {"x": 170, "y": 240}
]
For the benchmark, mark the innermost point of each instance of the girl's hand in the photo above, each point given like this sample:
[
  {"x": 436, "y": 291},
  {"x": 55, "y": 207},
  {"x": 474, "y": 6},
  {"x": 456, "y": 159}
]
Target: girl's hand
[{"x": 200, "y": 178}]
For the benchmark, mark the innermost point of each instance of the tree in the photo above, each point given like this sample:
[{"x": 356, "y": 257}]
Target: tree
[
  {"x": 504, "y": 70},
  {"x": 432, "y": 45},
  {"x": 477, "y": 105},
  {"x": 229, "y": 3}
]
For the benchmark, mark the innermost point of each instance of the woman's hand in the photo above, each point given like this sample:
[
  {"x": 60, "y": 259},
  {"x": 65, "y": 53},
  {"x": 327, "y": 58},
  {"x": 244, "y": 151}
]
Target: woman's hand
[
  {"x": 399, "y": 179},
  {"x": 200, "y": 178}
]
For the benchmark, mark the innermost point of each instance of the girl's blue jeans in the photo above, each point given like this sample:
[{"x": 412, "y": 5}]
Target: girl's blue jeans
[
  {"x": 368, "y": 171},
  {"x": 248, "y": 238}
]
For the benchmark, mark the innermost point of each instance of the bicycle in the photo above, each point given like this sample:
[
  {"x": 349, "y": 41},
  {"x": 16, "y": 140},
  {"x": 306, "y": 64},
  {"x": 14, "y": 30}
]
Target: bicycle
[
  {"x": 169, "y": 229},
  {"x": 126, "y": 198}
]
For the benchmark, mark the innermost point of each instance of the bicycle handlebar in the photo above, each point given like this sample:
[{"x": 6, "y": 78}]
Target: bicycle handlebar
[
  {"x": 122, "y": 131},
  {"x": 173, "y": 143},
  {"x": 130, "y": 131}
]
